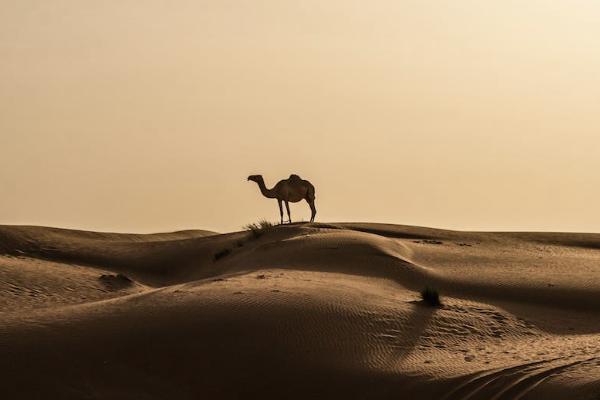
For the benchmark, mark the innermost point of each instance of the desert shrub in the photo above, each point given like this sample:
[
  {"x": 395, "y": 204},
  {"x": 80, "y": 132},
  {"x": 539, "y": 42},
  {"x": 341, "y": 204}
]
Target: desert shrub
[
  {"x": 222, "y": 253},
  {"x": 431, "y": 297},
  {"x": 257, "y": 229}
]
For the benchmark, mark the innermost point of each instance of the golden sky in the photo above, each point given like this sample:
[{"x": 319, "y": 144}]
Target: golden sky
[{"x": 124, "y": 115}]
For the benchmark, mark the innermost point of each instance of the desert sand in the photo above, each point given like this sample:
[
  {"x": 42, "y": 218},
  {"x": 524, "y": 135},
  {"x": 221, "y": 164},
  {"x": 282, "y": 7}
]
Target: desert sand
[{"x": 302, "y": 311}]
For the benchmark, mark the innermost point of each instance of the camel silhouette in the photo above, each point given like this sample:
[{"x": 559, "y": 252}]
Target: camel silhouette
[{"x": 293, "y": 189}]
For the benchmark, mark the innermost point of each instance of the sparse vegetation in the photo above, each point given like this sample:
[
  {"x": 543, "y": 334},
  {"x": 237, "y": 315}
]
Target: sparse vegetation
[
  {"x": 222, "y": 253},
  {"x": 431, "y": 297},
  {"x": 257, "y": 229}
]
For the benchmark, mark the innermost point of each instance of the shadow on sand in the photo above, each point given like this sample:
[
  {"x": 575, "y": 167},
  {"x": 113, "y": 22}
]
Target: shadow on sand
[{"x": 410, "y": 332}]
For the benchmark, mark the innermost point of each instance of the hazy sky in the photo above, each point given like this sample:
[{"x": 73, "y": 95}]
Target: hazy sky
[{"x": 128, "y": 115}]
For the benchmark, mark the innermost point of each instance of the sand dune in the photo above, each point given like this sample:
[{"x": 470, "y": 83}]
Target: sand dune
[{"x": 303, "y": 311}]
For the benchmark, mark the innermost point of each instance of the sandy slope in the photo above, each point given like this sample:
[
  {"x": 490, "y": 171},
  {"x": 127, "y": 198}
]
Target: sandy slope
[{"x": 304, "y": 311}]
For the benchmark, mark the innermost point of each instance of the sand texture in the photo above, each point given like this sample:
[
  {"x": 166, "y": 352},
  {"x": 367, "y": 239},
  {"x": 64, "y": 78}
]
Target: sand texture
[{"x": 302, "y": 311}]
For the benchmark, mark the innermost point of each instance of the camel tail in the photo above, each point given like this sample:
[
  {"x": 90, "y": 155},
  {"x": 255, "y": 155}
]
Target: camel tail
[{"x": 311, "y": 193}]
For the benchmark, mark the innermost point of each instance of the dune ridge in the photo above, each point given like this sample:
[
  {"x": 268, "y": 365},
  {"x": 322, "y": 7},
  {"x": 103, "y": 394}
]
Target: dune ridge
[{"x": 305, "y": 310}]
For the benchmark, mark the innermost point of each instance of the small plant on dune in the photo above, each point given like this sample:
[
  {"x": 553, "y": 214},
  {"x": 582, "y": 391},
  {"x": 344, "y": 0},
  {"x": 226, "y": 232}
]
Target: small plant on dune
[
  {"x": 431, "y": 297},
  {"x": 222, "y": 253},
  {"x": 257, "y": 229}
]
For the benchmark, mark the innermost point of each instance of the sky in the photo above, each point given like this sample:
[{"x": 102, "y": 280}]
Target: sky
[{"x": 148, "y": 116}]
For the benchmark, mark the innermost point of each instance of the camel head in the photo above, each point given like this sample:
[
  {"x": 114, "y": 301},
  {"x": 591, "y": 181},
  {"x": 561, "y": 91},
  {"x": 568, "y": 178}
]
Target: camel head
[{"x": 255, "y": 178}]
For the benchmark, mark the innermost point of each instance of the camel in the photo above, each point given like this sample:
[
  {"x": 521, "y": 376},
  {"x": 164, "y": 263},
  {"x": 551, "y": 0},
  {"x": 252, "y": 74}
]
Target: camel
[{"x": 293, "y": 189}]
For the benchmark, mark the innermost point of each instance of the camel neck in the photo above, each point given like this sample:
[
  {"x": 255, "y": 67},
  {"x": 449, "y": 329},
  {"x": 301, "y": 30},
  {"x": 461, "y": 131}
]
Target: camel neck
[{"x": 263, "y": 189}]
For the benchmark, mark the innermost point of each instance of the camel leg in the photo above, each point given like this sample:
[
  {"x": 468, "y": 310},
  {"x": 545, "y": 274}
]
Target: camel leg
[
  {"x": 313, "y": 210},
  {"x": 280, "y": 210},
  {"x": 287, "y": 206}
]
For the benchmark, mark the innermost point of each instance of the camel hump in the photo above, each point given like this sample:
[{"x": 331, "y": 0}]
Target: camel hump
[{"x": 294, "y": 177}]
